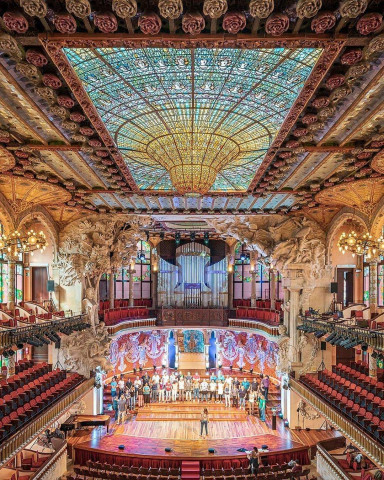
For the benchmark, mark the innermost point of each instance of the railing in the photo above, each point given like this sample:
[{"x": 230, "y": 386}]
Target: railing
[
  {"x": 374, "y": 338},
  {"x": 12, "y": 336},
  {"x": 128, "y": 323},
  {"x": 326, "y": 465},
  {"x": 204, "y": 317},
  {"x": 254, "y": 325},
  {"x": 371, "y": 448},
  {"x": 24, "y": 435}
]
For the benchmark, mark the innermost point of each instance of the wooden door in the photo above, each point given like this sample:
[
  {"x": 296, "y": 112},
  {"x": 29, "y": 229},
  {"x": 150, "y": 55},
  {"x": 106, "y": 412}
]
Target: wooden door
[{"x": 39, "y": 284}]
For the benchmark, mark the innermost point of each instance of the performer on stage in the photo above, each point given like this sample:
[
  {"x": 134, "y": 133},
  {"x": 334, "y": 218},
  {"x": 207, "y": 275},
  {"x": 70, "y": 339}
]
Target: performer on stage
[{"x": 204, "y": 419}]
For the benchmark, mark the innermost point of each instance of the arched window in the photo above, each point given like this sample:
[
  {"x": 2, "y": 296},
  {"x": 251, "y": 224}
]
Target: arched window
[{"x": 4, "y": 277}]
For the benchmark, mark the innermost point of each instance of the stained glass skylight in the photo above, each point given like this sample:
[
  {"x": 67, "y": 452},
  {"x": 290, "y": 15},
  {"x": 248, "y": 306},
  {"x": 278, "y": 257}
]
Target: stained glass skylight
[{"x": 210, "y": 114}]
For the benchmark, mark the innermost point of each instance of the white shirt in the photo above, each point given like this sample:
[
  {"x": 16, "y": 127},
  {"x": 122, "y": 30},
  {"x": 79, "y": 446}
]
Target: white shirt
[
  {"x": 204, "y": 386},
  {"x": 121, "y": 384},
  {"x": 181, "y": 384},
  {"x": 156, "y": 378},
  {"x": 174, "y": 386},
  {"x": 137, "y": 383},
  {"x": 165, "y": 378},
  {"x": 220, "y": 388},
  {"x": 212, "y": 386}
]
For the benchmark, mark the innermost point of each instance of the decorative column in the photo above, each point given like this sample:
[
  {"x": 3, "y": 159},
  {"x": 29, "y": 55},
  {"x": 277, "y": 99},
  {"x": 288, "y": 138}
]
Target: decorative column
[
  {"x": 272, "y": 287},
  {"x": 230, "y": 286},
  {"x": 253, "y": 270},
  {"x": 293, "y": 322},
  {"x": 11, "y": 286},
  {"x": 11, "y": 365},
  {"x": 132, "y": 271},
  {"x": 372, "y": 366},
  {"x": 111, "y": 290},
  {"x": 373, "y": 285},
  {"x": 286, "y": 307}
]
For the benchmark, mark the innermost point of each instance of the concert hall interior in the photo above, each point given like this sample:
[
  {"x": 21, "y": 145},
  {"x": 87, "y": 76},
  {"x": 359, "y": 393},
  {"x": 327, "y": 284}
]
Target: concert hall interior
[{"x": 191, "y": 239}]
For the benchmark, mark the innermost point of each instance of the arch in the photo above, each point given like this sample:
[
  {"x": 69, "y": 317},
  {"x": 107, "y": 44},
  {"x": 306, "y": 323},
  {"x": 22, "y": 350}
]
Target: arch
[
  {"x": 6, "y": 215},
  {"x": 40, "y": 214},
  {"x": 378, "y": 219},
  {"x": 345, "y": 214}
]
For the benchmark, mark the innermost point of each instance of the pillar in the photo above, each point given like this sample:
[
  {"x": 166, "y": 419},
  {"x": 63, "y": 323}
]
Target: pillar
[
  {"x": 294, "y": 303},
  {"x": 230, "y": 287},
  {"x": 154, "y": 274},
  {"x": 272, "y": 287},
  {"x": 286, "y": 311},
  {"x": 373, "y": 285},
  {"x": 11, "y": 365},
  {"x": 253, "y": 288},
  {"x": 358, "y": 280},
  {"x": 11, "y": 286},
  {"x": 132, "y": 271},
  {"x": 372, "y": 366},
  {"x": 111, "y": 290}
]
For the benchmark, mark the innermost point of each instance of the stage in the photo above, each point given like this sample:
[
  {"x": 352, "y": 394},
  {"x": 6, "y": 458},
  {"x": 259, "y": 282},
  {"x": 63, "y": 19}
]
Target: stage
[{"x": 176, "y": 426}]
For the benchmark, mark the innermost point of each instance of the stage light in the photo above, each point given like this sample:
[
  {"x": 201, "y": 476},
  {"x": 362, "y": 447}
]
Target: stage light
[
  {"x": 251, "y": 371},
  {"x": 286, "y": 424},
  {"x": 162, "y": 235},
  {"x": 134, "y": 370},
  {"x": 230, "y": 367},
  {"x": 154, "y": 368},
  {"x": 20, "y": 345},
  {"x": 177, "y": 238},
  {"x": 364, "y": 347},
  {"x": 241, "y": 369},
  {"x": 193, "y": 236},
  {"x": 281, "y": 415},
  {"x": 206, "y": 238},
  {"x": 374, "y": 354},
  {"x": 141, "y": 369}
]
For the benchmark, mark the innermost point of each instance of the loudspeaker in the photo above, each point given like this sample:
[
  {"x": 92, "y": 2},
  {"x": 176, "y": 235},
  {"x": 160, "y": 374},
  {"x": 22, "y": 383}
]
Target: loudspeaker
[
  {"x": 323, "y": 345},
  {"x": 264, "y": 447},
  {"x": 167, "y": 449},
  {"x": 211, "y": 450},
  {"x": 121, "y": 447},
  {"x": 334, "y": 287},
  {"x": 50, "y": 286}
]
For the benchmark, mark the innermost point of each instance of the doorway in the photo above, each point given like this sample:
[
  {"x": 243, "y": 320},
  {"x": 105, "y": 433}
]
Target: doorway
[
  {"x": 345, "y": 286},
  {"x": 39, "y": 284}
]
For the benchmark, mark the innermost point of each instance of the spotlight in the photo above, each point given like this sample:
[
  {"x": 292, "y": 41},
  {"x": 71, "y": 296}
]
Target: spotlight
[
  {"x": 20, "y": 346},
  {"x": 330, "y": 337},
  {"x": 206, "y": 238},
  {"x": 251, "y": 371},
  {"x": 319, "y": 334},
  {"x": 241, "y": 369},
  {"x": 374, "y": 355},
  {"x": 154, "y": 368},
  {"x": 141, "y": 369},
  {"x": 193, "y": 236},
  {"x": 364, "y": 347},
  {"x": 177, "y": 238},
  {"x": 230, "y": 367},
  {"x": 286, "y": 424},
  {"x": 134, "y": 370}
]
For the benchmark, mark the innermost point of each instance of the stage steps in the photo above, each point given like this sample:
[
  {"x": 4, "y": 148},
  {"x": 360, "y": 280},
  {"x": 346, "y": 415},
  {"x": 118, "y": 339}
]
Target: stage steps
[{"x": 190, "y": 470}]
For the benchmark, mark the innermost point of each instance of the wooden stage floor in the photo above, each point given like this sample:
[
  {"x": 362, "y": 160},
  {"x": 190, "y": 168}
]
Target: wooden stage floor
[{"x": 177, "y": 426}]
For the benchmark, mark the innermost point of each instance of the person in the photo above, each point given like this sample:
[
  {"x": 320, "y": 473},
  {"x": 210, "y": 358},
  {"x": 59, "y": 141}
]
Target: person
[
  {"x": 154, "y": 391},
  {"x": 168, "y": 390},
  {"x": 262, "y": 407},
  {"x": 294, "y": 466},
  {"x": 156, "y": 378},
  {"x": 132, "y": 398},
  {"x": 242, "y": 395},
  {"x": 147, "y": 394},
  {"x": 254, "y": 385},
  {"x": 137, "y": 383},
  {"x": 196, "y": 389},
  {"x": 121, "y": 409},
  {"x": 245, "y": 384},
  {"x": 113, "y": 387},
  {"x": 115, "y": 408},
  {"x": 165, "y": 377},
  {"x": 174, "y": 390},
  {"x": 212, "y": 390},
  {"x": 251, "y": 400},
  {"x": 181, "y": 388},
  {"x": 128, "y": 383},
  {"x": 213, "y": 377},
  {"x": 265, "y": 383},
  {"x": 254, "y": 460},
  {"x": 204, "y": 419},
  {"x": 236, "y": 382},
  {"x": 204, "y": 390},
  {"x": 140, "y": 396},
  {"x": 227, "y": 395},
  {"x": 234, "y": 393},
  {"x": 161, "y": 392},
  {"x": 188, "y": 387},
  {"x": 121, "y": 383},
  {"x": 220, "y": 391},
  {"x": 196, "y": 377}
]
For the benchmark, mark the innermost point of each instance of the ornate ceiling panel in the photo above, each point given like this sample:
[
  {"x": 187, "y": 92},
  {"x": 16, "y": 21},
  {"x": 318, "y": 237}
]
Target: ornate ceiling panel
[{"x": 210, "y": 114}]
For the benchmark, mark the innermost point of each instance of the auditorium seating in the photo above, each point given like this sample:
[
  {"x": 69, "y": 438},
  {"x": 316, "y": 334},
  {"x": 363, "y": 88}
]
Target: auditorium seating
[
  {"x": 113, "y": 316},
  {"x": 123, "y": 303},
  {"x": 30, "y": 391},
  {"x": 102, "y": 470},
  {"x": 354, "y": 394},
  {"x": 267, "y": 316},
  {"x": 259, "y": 303}
]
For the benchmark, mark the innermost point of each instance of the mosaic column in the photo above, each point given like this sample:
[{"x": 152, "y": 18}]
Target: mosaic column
[
  {"x": 372, "y": 366},
  {"x": 373, "y": 285},
  {"x": 272, "y": 287},
  {"x": 286, "y": 311},
  {"x": 154, "y": 274},
  {"x": 11, "y": 286},
  {"x": 11, "y": 365},
  {"x": 294, "y": 303},
  {"x": 253, "y": 269},
  {"x": 230, "y": 288},
  {"x": 132, "y": 271},
  {"x": 111, "y": 290}
]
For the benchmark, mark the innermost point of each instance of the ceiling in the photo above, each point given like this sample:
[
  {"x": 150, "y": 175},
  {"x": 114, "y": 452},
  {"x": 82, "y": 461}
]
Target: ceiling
[{"x": 257, "y": 111}]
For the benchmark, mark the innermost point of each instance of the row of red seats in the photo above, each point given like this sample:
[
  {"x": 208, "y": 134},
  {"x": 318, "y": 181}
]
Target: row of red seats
[
  {"x": 123, "y": 302},
  {"x": 22, "y": 395},
  {"x": 368, "y": 418},
  {"x": 23, "y": 414},
  {"x": 359, "y": 379},
  {"x": 113, "y": 316},
  {"x": 246, "y": 302},
  {"x": 271, "y": 317},
  {"x": 353, "y": 391},
  {"x": 23, "y": 364},
  {"x": 7, "y": 385}
]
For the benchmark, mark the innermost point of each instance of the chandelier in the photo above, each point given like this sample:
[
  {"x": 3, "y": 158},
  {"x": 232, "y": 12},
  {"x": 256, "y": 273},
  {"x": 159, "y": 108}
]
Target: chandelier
[
  {"x": 361, "y": 244},
  {"x": 16, "y": 243}
]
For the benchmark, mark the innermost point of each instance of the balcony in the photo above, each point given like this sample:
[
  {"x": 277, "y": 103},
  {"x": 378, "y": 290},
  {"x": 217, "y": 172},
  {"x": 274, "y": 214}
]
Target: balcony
[{"x": 370, "y": 447}]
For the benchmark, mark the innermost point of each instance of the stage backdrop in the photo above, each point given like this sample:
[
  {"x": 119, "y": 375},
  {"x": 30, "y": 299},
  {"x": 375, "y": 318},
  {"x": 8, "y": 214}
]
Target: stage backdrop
[{"x": 247, "y": 350}]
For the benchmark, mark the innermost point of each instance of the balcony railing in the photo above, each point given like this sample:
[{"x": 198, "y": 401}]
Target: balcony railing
[
  {"x": 254, "y": 325},
  {"x": 25, "y": 434},
  {"x": 130, "y": 323},
  {"x": 373, "y": 338},
  {"x": 371, "y": 448},
  {"x": 11, "y": 336}
]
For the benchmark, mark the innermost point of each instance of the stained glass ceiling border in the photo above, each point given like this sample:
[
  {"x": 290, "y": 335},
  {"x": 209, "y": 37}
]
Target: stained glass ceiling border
[{"x": 55, "y": 45}]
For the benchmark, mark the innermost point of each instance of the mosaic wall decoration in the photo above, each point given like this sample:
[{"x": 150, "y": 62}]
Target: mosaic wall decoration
[
  {"x": 193, "y": 341},
  {"x": 175, "y": 112}
]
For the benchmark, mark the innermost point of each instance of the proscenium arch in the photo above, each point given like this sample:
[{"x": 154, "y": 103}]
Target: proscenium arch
[
  {"x": 377, "y": 223},
  {"x": 7, "y": 218},
  {"x": 338, "y": 221}
]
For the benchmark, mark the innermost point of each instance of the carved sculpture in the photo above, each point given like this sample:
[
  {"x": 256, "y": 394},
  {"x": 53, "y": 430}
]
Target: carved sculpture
[
  {"x": 307, "y": 412},
  {"x": 84, "y": 351}
]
